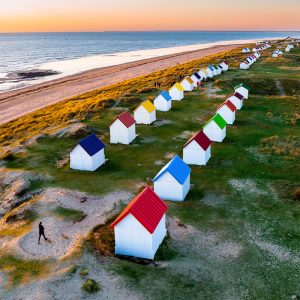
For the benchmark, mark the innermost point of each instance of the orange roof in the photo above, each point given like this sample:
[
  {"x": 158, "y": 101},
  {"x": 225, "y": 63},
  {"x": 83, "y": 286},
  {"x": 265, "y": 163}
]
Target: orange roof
[{"x": 147, "y": 208}]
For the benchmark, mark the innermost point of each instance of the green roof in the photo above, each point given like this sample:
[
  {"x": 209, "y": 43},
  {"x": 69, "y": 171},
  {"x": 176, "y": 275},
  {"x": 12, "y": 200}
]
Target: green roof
[
  {"x": 242, "y": 85},
  {"x": 218, "y": 120}
]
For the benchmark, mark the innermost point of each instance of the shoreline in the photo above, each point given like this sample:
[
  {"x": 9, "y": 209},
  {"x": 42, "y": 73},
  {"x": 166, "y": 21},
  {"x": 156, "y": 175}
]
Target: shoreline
[{"x": 16, "y": 103}]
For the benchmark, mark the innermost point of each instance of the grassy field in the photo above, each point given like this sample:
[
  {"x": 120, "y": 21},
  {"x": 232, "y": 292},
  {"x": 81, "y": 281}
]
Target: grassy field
[{"x": 242, "y": 207}]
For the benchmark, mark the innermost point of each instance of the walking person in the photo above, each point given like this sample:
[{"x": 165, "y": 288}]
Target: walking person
[{"x": 41, "y": 232}]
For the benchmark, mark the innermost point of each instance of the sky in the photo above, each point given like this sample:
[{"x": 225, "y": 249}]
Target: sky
[{"x": 138, "y": 15}]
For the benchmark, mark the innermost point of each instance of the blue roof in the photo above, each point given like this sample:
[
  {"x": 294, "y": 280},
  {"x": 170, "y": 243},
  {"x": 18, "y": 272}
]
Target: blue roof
[
  {"x": 197, "y": 75},
  {"x": 91, "y": 144},
  {"x": 211, "y": 68},
  {"x": 166, "y": 95},
  {"x": 177, "y": 168}
]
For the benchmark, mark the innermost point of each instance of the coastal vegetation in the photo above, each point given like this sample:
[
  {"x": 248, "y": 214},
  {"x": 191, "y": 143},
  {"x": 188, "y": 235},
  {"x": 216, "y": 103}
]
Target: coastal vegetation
[{"x": 236, "y": 235}]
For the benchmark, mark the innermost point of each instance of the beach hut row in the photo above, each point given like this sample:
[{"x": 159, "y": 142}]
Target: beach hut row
[
  {"x": 141, "y": 227},
  {"x": 289, "y": 47},
  {"x": 277, "y": 53},
  {"x": 245, "y": 65},
  {"x": 261, "y": 48}
]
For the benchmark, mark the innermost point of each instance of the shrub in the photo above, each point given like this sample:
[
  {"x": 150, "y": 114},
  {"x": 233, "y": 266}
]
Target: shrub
[{"x": 90, "y": 286}]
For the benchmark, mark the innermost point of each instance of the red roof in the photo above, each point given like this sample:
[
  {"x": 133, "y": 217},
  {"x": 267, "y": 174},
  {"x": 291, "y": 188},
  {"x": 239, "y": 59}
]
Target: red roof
[
  {"x": 202, "y": 140},
  {"x": 230, "y": 105},
  {"x": 126, "y": 118},
  {"x": 147, "y": 208}
]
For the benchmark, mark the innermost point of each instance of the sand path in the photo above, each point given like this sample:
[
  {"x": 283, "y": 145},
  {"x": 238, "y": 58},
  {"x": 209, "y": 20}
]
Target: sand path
[
  {"x": 16, "y": 103},
  {"x": 64, "y": 235}
]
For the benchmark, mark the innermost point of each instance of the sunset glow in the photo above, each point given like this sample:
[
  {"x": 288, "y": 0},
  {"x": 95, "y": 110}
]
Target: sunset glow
[{"x": 95, "y": 15}]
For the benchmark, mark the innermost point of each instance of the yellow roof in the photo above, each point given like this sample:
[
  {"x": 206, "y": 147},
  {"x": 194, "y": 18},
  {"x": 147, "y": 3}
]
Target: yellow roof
[
  {"x": 204, "y": 71},
  {"x": 189, "y": 79},
  {"x": 148, "y": 106},
  {"x": 179, "y": 87}
]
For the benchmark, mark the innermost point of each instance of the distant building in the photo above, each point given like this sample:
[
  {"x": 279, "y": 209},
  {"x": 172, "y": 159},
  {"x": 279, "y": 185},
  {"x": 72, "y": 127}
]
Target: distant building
[
  {"x": 215, "y": 128},
  {"x": 141, "y": 227},
  {"x": 227, "y": 112},
  {"x": 122, "y": 130},
  {"x": 145, "y": 113},
  {"x": 197, "y": 150},
  {"x": 237, "y": 100},
  {"x": 173, "y": 180},
  {"x": 242, "y": 89},
  {"x": 176, "y": 92},
  {"x": 188, "y": 84},
  {"x": 163, "y": 102},
  {"x": 88, "y": 155}
]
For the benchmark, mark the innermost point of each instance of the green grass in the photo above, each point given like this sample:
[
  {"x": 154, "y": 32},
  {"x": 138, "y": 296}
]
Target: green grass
[
  {"x": 21, "y": 271},
  {"x": 67, "y": 214},
  {"x": 265, "y": 224}
]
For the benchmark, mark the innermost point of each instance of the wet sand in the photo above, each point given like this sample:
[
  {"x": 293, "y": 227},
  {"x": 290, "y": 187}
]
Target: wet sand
[{"x": 14, "y": 104}]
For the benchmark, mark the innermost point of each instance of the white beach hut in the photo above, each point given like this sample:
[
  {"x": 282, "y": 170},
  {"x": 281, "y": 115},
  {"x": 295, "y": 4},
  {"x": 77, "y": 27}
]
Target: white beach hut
[
  {"x": 202, "y": 73},
  {"x": 242, "y": 89},
  {"x": 219, "y": 70},
  {"x": 197, "y": 150},
  {"x": 227, "y": 111},
  {"x": 224, "y": 65},
  {"x": 173, "y": 180},
  {"x": 141, "y": 227},
  {"x": 244, "y": 65},
  {"x": 88, "y": 155},
  {"x": 209, "y": 72},
  {"x": 176, "y": 92},
  {"x": 237, "y": 100},
  {"x": 215, "y": 128},
  {"x": 275, "y": 54},
  {"x": 145, "y": 113},
  {"x": 163, "y": 102},
  {"x": 196, "y": 79},
  {"x": 214, "y": 70},
  {"x": 188, "y": 84},
  {"x": 122, "y": 130}
]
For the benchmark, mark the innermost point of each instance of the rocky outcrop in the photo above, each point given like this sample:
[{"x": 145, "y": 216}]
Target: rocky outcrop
[{"x": 73, "y": 130}]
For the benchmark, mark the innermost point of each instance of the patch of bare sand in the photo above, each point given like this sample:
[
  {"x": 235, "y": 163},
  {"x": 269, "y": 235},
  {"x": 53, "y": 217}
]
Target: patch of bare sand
[
  {"x": 64, "y": 235},
  {"x": 67, "y": 285},
  {"x": 247, "y": 186}
]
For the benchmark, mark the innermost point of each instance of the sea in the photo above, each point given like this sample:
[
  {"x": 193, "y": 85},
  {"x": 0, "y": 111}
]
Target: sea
[{"x": 31, "y": 58}]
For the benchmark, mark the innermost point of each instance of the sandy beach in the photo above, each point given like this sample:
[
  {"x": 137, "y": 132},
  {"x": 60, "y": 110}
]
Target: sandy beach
[{"x": 14, "y": 104}]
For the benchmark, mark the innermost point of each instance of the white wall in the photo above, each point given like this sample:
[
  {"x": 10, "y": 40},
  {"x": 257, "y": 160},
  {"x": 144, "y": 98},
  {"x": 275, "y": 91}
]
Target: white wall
[
  {"x": 227, "y": 114},
  {"x": 168, "y": 188},
  {"x": 209, "y": 73},
  {"x": 176, "y": 94},
  {"x": 193, "y": 154},
  {"x": 244, "y": 66},
  {"x": 80, "y": 160},
  {"x": 162, "y": 104},
  {"x": 133, "y": 239},
  {"x": 142, "y": 116},
  {"x": 237, "y": 102},
  {"x": 214, "y": 132},
  {"x": 186, "y": 85},
  {"x": 244, "y": 92},
  {"x": 119, "y": 133},
  {"x": 195, "y": 80}
]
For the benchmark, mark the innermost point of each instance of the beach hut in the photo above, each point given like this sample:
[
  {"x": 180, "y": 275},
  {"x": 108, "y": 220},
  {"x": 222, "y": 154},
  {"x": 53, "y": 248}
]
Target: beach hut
[
  {"x": 145, "y": 113},
  {"x": 202, "y": 74},
  {"x": 244, "y": 65},
  {"x": 173, "y": 180},
  {"x": 88, "y": 155},
  {"x": 275, "y": 55},
  {"x": 197, "y": 150},
  {"x": 196, "y": 79},
  {"x": 163, "y": 102},
  {"x": 242, "y": 89},
  {"x": 237, "y": 100},
  {"x": 214, "y": 70},
  {"x": 218, "y": 69},
  {"x": 209, "y": 72},
  {"x": 122, "y": 130},
  {"x": 224, "y": 65},
  {"x": 287, "y": 49},
  {"x": 245, "y": 50},
  {"x": 188, "y": 84},
  {"x": 257, "y": 54},
  {"x": 176, "y": 92},
  {"x": 141, "y": 227},
  {"x": 215, "y": 128},
  {"x": 227, "y": 111}
]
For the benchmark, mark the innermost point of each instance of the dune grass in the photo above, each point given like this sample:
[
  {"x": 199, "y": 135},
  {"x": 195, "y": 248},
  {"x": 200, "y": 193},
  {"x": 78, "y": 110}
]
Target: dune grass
[{"x": 245, "y": 195}]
